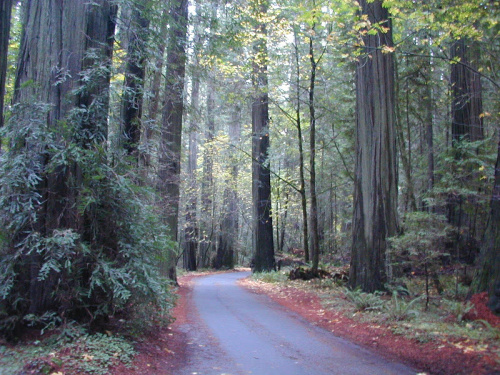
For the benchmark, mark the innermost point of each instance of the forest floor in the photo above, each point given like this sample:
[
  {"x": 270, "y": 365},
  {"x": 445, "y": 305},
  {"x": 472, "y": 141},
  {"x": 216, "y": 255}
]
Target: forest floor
[
  {"x": 439, "y": 347},
  {"x": 463, "y": 341}
]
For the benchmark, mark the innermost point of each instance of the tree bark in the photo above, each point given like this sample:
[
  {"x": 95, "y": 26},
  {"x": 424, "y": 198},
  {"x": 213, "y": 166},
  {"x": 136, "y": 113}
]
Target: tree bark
[
  {"x": 5, "y": 14},
  {"x": 191, "y": 230},
  {"x": 133, "y": 91},
  {"x": 375, "y": 187},
  {"x": 466, "y": 88},
  {"x": 226, "y": 248},
  {"x": 171, "y": 132},
  {"x": 77, "y": 36},
  {"x": 488, "y": 276},
  {"x": 263, "y": 243},
  {"x": 303, "y": 198}
]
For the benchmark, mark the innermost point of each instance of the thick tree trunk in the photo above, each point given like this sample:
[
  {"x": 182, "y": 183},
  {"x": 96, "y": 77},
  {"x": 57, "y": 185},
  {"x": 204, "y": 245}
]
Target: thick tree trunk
[
  {"x": 488, "y": 275},
  {"x": 133, "y": 91},
  {"x": 153, "y": 106},
  {"x": 72, "y": 32},
  {"x": 467, "y": 102},
  {"x": 263, "y": 243},
  {"x": 375, "y": 187},
  {"x": 466, "y": 126},
  {"x": 5, "y": 14},
  {"x": 170, "y": 144}
]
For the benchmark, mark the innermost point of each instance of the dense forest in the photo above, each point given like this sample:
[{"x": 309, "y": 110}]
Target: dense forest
[{"x": 138, "y": 136}]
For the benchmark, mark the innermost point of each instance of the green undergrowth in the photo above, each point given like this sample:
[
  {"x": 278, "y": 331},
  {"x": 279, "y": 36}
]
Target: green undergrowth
[
  {"x": 402, "y": 310},
  {"x": 271, "y": 277},
  {"x": 70, "y": 351}
]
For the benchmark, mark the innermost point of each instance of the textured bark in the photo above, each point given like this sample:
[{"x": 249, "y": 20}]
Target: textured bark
[
  {"x": 5, "y": 14},
  {"x": 466, "y": 126},
  {"x": 488, "y": 277},
  {"x": 467, "y": 103},
  {"x": 133, "y": 91},
  {"x": 263, "y": 242},
  {"x": 57, "y": 37},
  {"x": 375, "y": 187},
  {"x": 170, "y": 144},
  {"x": 153, "y": 106}
]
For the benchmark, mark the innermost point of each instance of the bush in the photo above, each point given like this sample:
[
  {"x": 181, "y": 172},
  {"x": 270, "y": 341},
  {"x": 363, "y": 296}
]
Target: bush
[
  {"x": 399, "y": 309},
  {"x": 364, "y": 301},
  {"x": 79, "y": 239}
]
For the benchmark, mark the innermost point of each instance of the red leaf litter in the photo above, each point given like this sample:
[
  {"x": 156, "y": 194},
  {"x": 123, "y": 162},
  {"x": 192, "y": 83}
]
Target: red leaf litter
[
  {"x": 480, "y": 311},
  {"x": 441, "y": 357},
  {"x": 164, "y": 352},
  {"x": 167, "y": 350}
]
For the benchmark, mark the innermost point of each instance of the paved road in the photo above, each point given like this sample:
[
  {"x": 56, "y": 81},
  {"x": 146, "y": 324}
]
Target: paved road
[{"x": 237, "y": 332}]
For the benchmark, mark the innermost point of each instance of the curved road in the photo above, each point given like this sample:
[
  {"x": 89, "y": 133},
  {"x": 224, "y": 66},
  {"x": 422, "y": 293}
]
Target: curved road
[{"x": 237, "y": 332}]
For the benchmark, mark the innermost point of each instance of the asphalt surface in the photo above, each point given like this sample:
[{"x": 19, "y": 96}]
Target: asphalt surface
[{"x": 233, "y": 331}]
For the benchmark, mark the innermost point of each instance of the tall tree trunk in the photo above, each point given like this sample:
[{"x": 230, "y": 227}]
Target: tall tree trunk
[
  {"x": 429, "y": 126},
  {"x": 467, "y": 102},
  {"x": 154, "y": 105},
  {"x": 191, "y": 230},
  {"x": 207, "y": 186},
  {"x": 312, "y": 161},
  {"x": 263, "y": 244},
  {"x": 226, "y": 248},
  {"x": 170, "y": 145},
  {"x": 405, "y": 153},
  {"x": 375, "y": 187},
  {"x": 466, "y": 126},
  {"x": 303, "y": 197},
  {"x": 5, "y": 14},
  {"x": 77, "y": 37},
  {"x": 133, "y": 91},
  {"x": 488, "y": 276}
]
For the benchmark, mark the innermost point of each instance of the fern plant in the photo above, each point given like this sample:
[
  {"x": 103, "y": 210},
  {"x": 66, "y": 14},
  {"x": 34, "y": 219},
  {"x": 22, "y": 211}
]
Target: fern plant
[
  {"x": 398, "y": 309},
  {"x": 364, "y": 301}
]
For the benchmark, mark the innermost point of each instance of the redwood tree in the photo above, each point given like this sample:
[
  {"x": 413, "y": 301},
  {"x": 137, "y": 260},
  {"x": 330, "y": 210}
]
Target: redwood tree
[
  {"x": 263, "y": 244},
  {"x": 61, "y": 87},
  {"x": 133, "y": 92},
  {"x": 170, "y": 145},
  {"x": 488, "y": 276},
  {"x": 375, "y": 186},
  {"x": 5, "y": 13}
]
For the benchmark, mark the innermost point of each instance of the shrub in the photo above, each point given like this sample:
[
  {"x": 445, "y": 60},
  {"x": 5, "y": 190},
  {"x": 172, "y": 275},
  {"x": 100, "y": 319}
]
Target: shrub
[
  {"x": 83, "y": 251},
  {"x": 364, "y": 301},
  {"x": 398, "y": 309}
]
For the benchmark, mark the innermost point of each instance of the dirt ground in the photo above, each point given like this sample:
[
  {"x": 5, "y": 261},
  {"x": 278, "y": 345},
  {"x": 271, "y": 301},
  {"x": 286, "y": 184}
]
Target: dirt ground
[{"x": 168, "y": 349}]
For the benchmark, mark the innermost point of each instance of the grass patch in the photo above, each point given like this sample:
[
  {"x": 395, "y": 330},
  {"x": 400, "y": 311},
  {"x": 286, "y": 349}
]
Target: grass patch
[{"x": 271, "y": 277}]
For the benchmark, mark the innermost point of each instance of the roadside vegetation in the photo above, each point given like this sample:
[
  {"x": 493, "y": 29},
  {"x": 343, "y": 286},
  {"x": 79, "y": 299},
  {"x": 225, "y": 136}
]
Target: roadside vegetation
[{"x": 404, "y": 308}]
